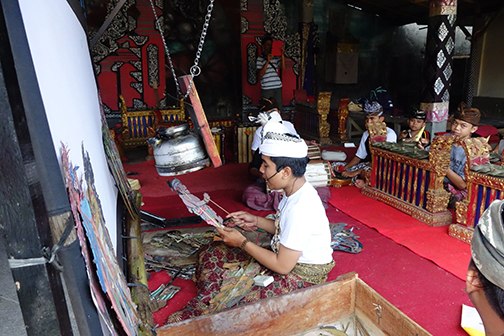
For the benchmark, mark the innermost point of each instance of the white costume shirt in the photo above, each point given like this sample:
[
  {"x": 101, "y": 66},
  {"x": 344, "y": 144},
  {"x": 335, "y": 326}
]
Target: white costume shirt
[
  {"x": 256, "y": 141},
  {"x": 362, "y": 152},
  {"x": 304, "y": 226}
]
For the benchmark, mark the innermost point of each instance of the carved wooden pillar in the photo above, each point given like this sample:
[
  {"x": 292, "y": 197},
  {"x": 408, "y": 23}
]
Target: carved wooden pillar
[
  {"x": 323, "y": 107},
  {"x": 342, "y": 118},
  {"x": 438, "y": 62},
  {"x": 439, "y": 157}
]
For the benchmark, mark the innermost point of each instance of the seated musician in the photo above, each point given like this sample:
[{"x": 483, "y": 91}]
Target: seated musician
[
  {"x": 465, "y": 123},
  {"x": 300, "y": 253},
  {"x": 256, "y": 196},
  {"x": 416, "y": 132},
  {"x": 361, "y": 163},
  {"x": 485, "y": 280}
]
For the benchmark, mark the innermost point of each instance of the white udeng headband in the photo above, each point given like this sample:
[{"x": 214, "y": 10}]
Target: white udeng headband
[
  {"x": 277, "y": 142},
  {"x": 275, "y": 116}
]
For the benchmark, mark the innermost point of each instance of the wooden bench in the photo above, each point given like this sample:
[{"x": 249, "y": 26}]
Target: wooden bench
[
  {"x": 414, "y": 186},
  {"x": 140, "y": 125}
]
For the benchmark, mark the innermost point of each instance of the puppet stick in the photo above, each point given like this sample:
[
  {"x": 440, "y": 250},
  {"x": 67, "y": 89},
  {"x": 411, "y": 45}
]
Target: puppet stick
[{"x": 218, "y": 206}]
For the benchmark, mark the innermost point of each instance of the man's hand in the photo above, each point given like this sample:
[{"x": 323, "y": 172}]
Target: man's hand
[
  {"x": 243, "y": 220},
  {"x": 231, "y": 237}
]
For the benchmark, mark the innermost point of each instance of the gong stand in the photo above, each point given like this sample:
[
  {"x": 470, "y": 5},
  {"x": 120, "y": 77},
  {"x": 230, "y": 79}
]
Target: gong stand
[
  {"x": 199, "y": 119},
  {"x": 195, "y": 70},
  {"x": 197, "y": 112}
]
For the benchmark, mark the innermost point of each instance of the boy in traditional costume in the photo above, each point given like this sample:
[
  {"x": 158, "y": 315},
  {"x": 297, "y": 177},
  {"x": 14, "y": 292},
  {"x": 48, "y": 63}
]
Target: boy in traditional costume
[
  {"x": 416, "y": 132},
  {"x": 361, "y": 163},
  {"x": 300, "y": 252},
  {"x": 465, "y": 123}
]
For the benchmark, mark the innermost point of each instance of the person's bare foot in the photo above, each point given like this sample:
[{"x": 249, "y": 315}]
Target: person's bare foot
[{"x": 360, "y": 183}]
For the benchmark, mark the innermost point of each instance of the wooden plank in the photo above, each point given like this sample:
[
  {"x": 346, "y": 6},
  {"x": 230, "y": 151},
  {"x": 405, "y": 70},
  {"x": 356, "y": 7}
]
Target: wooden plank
[
  {"x": 200, "y": 121},
  {"x": 305, "y": 310},
  {"x": 389, "y": 319},
  {"x": 137, "y": 274},
  {"x": 284, "y": 315}
]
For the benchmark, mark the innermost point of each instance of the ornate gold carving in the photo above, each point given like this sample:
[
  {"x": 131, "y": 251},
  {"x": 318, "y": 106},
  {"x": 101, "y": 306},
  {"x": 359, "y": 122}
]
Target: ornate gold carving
[
  {"x": 415, "y": 182},
  {"x": 385, "y": 173},
  {"x": 486, "y": 180},
  {"x": 461, "y": 211},
  {"x": 432, "y": 219},
  {"x": 422, "y": 189},
  {"x": 437, "y": 200},
  {"x": 367, "y": 177},
  {"x": 466, "y": 210},
  {"x": 323, "y": 107},
  {"x": 377, "y": 131},
  {"x": 397, "y": 184},
  {"x": 439, "y": 159},
  {"x": 342, "y": 118},
  {"x": 477, "y": 151},
  {"x": 461, "y": 232}
]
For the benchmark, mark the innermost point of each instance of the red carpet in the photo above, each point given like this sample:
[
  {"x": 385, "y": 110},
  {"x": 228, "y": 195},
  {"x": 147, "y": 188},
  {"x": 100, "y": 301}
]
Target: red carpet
[
  {"x": 425, "y": 292},
  {"x": 432, "y": 243}
]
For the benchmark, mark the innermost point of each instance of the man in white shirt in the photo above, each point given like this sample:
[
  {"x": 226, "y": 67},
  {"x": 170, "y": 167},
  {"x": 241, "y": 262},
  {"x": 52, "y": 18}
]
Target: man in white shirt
[
  {"x": 301, "y": 234},
  {"x": 361, "y": 162}
]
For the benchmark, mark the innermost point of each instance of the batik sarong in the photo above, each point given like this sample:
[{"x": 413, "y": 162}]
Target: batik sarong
[{"x": 211, "y": 271}]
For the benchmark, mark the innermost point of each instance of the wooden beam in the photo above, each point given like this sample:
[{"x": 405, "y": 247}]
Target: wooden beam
[
  {"x": 137, "y": 274},
  {"x": 199, "y": 119}
]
